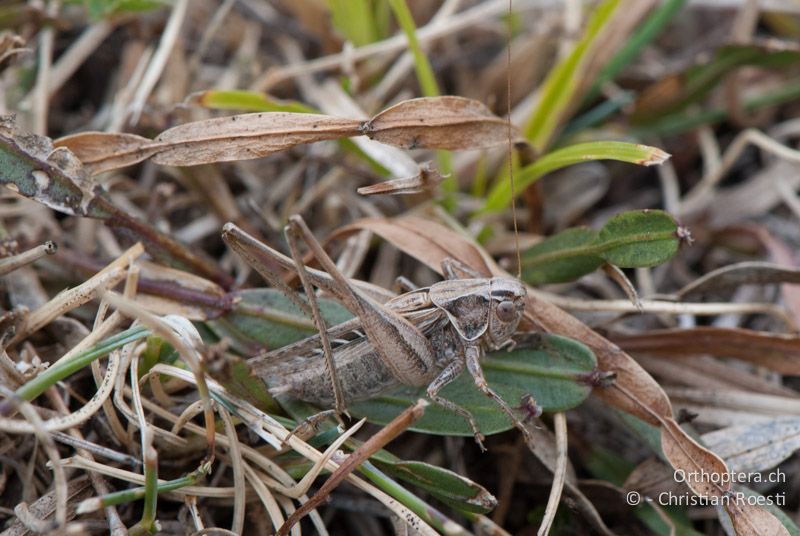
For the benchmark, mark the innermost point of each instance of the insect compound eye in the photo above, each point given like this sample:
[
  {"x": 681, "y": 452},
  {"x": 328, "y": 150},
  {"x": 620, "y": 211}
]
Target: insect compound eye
[{"x": 506, "y": 311}]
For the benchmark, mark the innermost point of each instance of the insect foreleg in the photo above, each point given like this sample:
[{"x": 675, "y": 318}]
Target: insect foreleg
[
  {"x": 447, "y": 375},
  {"x": 472, "y": 358}
]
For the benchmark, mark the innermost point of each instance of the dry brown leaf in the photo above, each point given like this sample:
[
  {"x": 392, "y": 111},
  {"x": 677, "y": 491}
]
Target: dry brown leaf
[
  {"x": 652, "y": 477},
  {"x": 436, "y": 122},
  {"x": 426, "y": 179},
  {"x": 104, "y": 151},
  {"x": 425, "y": 240},
  {"x": 742, "y": 273},
  {"x": 236, "y": 137},
  {"x": 708, "y": 471},
  {"x": 180, "y": 288},
  {"x": 450, "y": 123},
  {"x": 784, "y": 255},
  {"x": 246, "y": 136},
  {"x": 777, "y": 351},
  {"x": 751, "y": 520}
]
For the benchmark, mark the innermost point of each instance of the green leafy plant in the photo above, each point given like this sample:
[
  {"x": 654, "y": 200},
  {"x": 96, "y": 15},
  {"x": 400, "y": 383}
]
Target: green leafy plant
[{"x": 636, "y": 239}]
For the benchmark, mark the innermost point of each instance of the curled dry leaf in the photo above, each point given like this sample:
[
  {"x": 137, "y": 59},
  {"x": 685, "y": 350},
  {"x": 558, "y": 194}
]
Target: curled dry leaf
[
  {"x": 427, "y": 241},
  {"x": 750, "y": 520},
  {"x": 103, "y": 151},
  {"x": 451, "y": 123},
  {"x": 427, "y": 179},
  {"x": 237, "y": 137}
]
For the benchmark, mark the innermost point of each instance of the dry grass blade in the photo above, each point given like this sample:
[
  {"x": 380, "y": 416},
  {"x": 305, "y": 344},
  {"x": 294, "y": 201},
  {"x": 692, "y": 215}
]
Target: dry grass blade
[
  {"x": 777, "y": 351},
  {"x": 559, "y": 475},
  {"x": 9, "y": 264},
  {"x": 28, "y": 518},
  {"x": 398, "y": 425},
  {"x": 743, "y": 273}
]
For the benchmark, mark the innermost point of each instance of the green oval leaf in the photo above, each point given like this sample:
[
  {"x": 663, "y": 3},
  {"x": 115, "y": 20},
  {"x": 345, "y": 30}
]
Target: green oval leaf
[
  {"x": 638, "y": 239},
  {"x": 553, "y": 371},
  {"x": 563, "y": 257}
]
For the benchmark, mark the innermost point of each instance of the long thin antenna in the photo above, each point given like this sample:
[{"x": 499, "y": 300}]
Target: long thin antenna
[{"x": 510, "y": 157}]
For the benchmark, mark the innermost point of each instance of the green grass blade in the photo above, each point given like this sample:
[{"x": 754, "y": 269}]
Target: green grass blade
[
  {"x": 648, "y": 31},
  {"x": 248, "y": 101},
  {"x": 427, "y": 83},
  {"x": 425, "y": 76},
  {"x": 354, "y": 19},
  {"x": 63, "y": 369},
  {"x": 500, "y": 196},
  {"x": 677, "y": 123},
  {"x": 558, "y": 90}
]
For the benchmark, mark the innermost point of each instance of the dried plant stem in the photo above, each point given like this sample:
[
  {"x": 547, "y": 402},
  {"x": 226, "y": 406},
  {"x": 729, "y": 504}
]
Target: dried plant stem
[
  {"x": 103, "y": 328},
  {"x": 183, "y": 345},
  {"x": 168, "y": 39},
  {"x": 665, "y": 307},
  {"x": 559, "y": 475},
  {"x": 9, "y": 264},
  {"x": 40, "y": 95},
  {"x": 397, "y": 426},
  {"x": 59, "y": 478},
  {"x": 397, "y": 43},
  {"x": 108, "y": 277},
  {"x": 702, "y": 194},
  {"x": 116, "y": 526}
]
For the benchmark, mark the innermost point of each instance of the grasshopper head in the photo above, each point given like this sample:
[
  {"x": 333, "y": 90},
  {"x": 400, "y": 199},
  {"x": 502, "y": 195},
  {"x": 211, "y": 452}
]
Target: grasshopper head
[{"x": 508, "y": 304}]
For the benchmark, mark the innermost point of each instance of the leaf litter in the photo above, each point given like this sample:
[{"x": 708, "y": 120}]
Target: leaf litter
[{"x": 112, "y": 188}]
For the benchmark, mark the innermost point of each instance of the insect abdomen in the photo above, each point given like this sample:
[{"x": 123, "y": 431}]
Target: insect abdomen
[{"x": 359, "y": 368}]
